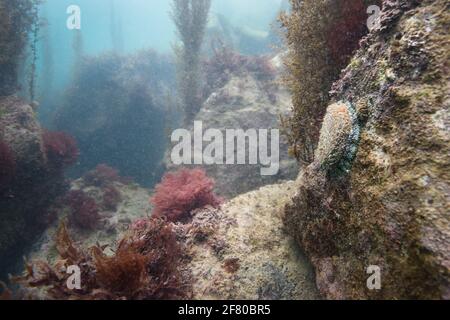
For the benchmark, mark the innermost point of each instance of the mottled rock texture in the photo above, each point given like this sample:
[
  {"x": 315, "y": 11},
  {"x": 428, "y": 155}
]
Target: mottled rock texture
[
  {"x": 245, "y": 102},
  {"x": 239, "y": 251},
  {"x": 388, "y": 203},
  {"x": 242, "y": 251},
  {"x": 132, "y": 206},
  {"x": 32, "y": 184}
]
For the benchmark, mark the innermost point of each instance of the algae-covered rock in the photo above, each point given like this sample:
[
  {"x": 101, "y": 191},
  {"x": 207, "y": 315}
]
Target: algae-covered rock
[
  {"x": 132, "y": 205},
  {"x": 391, "y": 208},
  {"x": 247, "y": 101},
  {"x": 31, "y": 186},
  {"x": 116, "y": 108},
  {"x": 241, "y": 251}
]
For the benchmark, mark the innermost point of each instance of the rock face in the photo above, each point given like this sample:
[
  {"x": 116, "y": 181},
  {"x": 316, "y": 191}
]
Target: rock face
[
  {"x": 31, "y": 185},
  {"x": 246, "y": 102},
  {"x": 241, "y": 251},
  {"x": 378, "y": 191}
]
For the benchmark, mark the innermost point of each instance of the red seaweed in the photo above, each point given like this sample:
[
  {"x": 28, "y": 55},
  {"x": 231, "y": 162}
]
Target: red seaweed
[{"x": 182, "y": 192}]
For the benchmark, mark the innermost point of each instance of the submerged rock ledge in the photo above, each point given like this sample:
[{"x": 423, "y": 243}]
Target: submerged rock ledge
[
  {"x": 258, "y": 260},
  {"x": 239, "y": 251}
]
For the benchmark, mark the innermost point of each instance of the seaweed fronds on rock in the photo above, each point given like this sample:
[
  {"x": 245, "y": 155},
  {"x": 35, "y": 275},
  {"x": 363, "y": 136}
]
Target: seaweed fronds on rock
[
  {"x": 145, "y": 265},
  {"x": 61, "y": 148},
  {"x": 29, "y": 182},
  {"x": 111, "y": 198},
  {"x": 321, "y": 37},
  {"x": 183, "y": 191},
  {"x": 123, "y": 273},
  {"x": 39, "y": 274},
  {"x": 157, "y": 242},
  {"x": 84, "y": 210}
]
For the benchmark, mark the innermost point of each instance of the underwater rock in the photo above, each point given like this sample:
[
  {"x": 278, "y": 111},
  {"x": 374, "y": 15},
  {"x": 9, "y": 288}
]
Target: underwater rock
[
  {"x": 116, "y": 108},
  {"x": 133, "y": 205},
  {"x": 32, "y": 184},
  {"x": 22, "y": 132},
  {"x": 223, "y": 258},
  {"x": 249, "y": 99},
  {"x": 391, "y": 208},
  {"x": 241, "y": 251}
]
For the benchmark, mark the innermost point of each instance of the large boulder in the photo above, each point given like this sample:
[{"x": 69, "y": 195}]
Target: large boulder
[
  {"x": 248, "y": 97},
  {"x": 377, "y": 194},
  {"x": 242, "y": 251},
  {"x": 116, "y": 108},
  {"x": 29, "y": 183}
]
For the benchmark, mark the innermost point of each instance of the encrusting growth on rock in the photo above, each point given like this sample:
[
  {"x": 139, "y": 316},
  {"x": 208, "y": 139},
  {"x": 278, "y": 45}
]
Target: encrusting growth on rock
[
  {"x": 338, "y": 139},
  {"x": 388, "y": 134}
]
